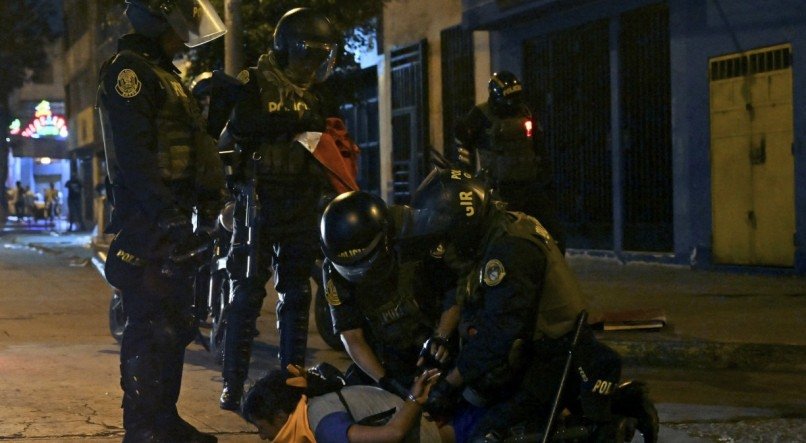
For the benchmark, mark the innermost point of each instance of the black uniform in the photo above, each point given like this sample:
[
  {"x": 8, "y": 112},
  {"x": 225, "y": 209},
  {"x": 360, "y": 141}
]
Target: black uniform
[
  {"x": 519, "y": 302},
  {"x": 397, "y": 313},
  {"x": 290, "y": 183},
  {"x": 511, "y": 150},
  {"x": 161, "y": 164}
]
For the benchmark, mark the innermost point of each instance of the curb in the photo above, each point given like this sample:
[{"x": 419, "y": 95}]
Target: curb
[{"x": 698, "y": 354}]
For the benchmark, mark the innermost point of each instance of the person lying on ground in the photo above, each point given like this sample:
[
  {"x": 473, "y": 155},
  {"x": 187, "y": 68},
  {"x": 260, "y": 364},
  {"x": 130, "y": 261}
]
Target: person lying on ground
[{"x": 286, "y": 408}]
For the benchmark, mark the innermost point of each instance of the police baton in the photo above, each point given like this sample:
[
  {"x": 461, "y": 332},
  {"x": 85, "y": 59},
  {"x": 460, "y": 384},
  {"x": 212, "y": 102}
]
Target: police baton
[{"x": 581, "y": 320}]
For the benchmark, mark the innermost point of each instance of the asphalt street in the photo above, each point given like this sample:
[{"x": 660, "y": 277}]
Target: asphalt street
[{"x": 60, "y": 379}]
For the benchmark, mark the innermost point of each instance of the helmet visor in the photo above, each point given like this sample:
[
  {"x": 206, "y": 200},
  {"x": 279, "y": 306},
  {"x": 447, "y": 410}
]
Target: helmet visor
[
  {"x": 195, "y": 21},
  {"x": 311, "y": 60},
  {"x": 371, "y": 268}
]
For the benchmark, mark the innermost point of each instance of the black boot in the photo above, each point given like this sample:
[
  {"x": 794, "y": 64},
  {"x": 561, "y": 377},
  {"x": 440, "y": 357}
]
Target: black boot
[
  {"x": 237, "y": 354},
  {"x": 146, "y": 436},
  {"x": 184, "y": 432},
  {"x": 231, "y": 396},
  {"x": 142, "y": 390}
]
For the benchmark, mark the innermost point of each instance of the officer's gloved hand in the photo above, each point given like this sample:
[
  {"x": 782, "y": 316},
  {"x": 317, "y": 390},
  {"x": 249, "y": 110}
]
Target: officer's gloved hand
[
  {"x": 312, "y": 121},
  {"x": 389, "y": 384},
  {"x": 324, "y": 378},
  {"x": 175, "y": 226},
  {"x": 434, "y": 353},
  {"x": 442, "y": 400},
  {"x": 193, "y": 251}
]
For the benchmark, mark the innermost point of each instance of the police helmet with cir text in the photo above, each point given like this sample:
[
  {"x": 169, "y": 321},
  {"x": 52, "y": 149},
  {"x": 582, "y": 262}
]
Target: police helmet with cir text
[
  {"x": 305, "y": 45},
  {"x": 450, "y": 206},
  {"x": 506, "y": 93},
  {"x": 195, "y": 21},
  {"x": 354, "y": 233}
]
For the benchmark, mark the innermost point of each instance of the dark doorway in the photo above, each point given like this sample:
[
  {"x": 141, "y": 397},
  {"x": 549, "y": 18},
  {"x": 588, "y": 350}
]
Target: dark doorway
[
  {"x": 458, "y": 88},
  {"x": 567, "y": 76},
  {"x": 646, "y": 142},
  {"x": 361, "y": 117},
  {"x": 409, "y": 119}
]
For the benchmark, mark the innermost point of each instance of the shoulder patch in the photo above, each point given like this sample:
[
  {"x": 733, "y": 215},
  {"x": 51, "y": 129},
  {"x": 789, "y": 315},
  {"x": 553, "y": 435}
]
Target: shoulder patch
[
  {"x": 128, "y": 85},
  {"x": 331, "y": 294},
  {"x": 493, "y": 272},
  {"x": 243, "y": 76},
  {"x": 438, "y": 251}
]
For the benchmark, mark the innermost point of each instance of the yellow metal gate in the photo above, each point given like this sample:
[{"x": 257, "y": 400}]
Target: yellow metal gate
[{"x": 752, "y": 162}]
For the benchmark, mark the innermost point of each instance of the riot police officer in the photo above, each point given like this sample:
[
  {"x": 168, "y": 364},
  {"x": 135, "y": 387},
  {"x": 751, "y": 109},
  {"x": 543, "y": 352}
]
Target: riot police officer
[
  {"x": 385, "y": 302},
  {"x": 278, "y": 119},
  {"x": 502, "y": 138},
  {"x": 161, "y": 164},
  {"x": 519, "y": 301}
]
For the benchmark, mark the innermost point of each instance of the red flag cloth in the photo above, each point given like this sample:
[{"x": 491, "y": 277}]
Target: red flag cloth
[{"x": 337, "y": 152}]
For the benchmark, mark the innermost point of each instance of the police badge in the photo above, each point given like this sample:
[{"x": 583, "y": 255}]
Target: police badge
[
  {"x": 128, "y": 85},
  {"x": 243, "y": 76},
  {"x": 493, "y": 272},
  {"x": 331, "y": 294}
]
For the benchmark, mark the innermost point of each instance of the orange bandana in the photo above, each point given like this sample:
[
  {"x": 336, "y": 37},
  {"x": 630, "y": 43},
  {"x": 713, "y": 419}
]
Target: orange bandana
[{"x": 296, "y": 428}]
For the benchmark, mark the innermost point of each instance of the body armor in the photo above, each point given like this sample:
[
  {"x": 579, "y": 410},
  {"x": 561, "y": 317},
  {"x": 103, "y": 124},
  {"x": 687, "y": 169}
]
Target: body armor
[
  {"x": 561, "y": 298},
  {"x": 178, "y": 123},
  {"x": 290, "y": 180},
  {"x": 396, "y": 319},
  {"x": 508, "y": 151}
]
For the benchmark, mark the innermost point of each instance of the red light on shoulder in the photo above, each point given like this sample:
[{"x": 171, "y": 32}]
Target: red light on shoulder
[{"x": 527, "y": 126}]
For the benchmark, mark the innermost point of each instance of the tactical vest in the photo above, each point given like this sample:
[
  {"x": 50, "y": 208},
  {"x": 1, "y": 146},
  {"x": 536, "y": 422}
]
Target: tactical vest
[
  {"x": 561, "y": 299},
  {"x": 178, "y": 123},
  {"x": 508, "y": 154},
  {"x": 396, "y": 319},
  {"x": 290, "y": 181}
]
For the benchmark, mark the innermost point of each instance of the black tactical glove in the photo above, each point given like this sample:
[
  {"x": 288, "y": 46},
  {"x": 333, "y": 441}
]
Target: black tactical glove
[
  {"x": 186, "y": 257},
  {"x": 312, "y": 122},
  {"x": 395, "y": 387},
  {"x": 442, "y": 400},
  {"x": 430, "y": 360},
  {"x": 193, "y": 250},
  {"x": 175, "y": 226},
  {"x": 324, "y": 378}
]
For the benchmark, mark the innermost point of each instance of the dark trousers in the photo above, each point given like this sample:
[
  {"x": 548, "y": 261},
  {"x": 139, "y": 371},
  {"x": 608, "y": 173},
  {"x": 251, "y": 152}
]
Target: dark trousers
[
  {"x": 593, "y": 377},
  {"x": 160, "y": 324},
  {"x": 74, "y": 216},
  {"x": 291, "y": 257}
]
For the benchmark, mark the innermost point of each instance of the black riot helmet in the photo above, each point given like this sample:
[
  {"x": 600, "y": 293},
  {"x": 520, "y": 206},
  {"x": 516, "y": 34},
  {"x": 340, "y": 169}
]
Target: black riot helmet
[
  {"x": 195, "y": 21},
  {"x": 450, "y": 207},
  {"x": 354, "y": 234},
  {"x": 506, "y": 93},
  {"x": 305, "y": 45}
]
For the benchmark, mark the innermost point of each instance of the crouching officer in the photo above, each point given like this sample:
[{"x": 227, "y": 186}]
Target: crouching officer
[
  {"x": 278, "y": 119},
  {"x": 519, "y": 302},
  {"x": 383, "y": 304},
  {"x": 161, "y": 164}
]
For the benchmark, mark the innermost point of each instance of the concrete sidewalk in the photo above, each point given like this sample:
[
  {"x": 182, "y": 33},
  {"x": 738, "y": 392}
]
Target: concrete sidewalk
[{"x": 716, "y": 320}]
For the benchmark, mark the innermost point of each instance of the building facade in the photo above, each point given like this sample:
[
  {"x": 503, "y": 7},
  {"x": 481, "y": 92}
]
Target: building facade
[
  {"x": 37, "y": 134},
  {"x": 92, "y": 28},
  {"x": 674, "y": 128}
]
